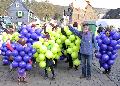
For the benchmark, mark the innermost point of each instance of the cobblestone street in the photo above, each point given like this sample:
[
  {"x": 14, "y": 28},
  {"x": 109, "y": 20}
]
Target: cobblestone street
[{"x": 63, "y": 76}]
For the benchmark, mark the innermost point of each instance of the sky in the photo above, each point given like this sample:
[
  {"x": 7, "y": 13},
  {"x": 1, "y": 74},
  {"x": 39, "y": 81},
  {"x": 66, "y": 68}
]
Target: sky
[{"x": 111, "y": 4}]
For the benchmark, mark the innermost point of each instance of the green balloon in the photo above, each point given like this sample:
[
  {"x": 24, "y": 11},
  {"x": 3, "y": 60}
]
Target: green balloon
[
  {"x": 67, "y": 42},
  {"x": 69, "y": 50},
  {"x": 46, "y": 43},
  {"x": 74, "y": 55},
  {"x": 72, "y": 37},
  {"x": 43, "y": 49},
  {"x": 77, "y": 42},
  {"x": 58, "y": 41},
  {"x": 36, "y": 55},
  {"x": 76, "y": 62},
  {"x": 42, "y": 64},
  {"x": 63, "y": 38},
  {"x": 57, "y": 36},
  {"x": 54, "y": 50},
  {"x": 49, "y": 54},
  {"x": 75, "y": 48},
  {"x": 37, "y": 59},
  {"x": 72, "y": 45},
  {"x": 69, "y": 32},
  {"x": 41, "y": 57}
]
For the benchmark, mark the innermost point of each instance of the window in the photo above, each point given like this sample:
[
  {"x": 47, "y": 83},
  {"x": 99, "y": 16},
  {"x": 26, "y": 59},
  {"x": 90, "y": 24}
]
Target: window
[
  {"x": 17, "y": 4},
  {"x": 20, "y": 14},
  {"x": 30, "y": 15}
]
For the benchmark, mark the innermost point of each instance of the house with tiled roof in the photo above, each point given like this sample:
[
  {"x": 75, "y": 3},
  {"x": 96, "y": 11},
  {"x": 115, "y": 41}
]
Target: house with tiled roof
[{"x": 19, "y": 13}]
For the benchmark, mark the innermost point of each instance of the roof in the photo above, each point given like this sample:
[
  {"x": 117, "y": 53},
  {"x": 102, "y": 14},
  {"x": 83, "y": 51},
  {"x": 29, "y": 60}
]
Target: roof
[{"x": 19, "y": 2}]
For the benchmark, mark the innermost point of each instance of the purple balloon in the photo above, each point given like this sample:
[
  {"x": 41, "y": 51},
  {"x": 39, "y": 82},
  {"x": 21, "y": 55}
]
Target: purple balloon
[
  {"x": 18, "y": 58},
  {"x": 116, "y": 36},
  {"x": 3, "y": 53},
  {"x": 99, "y": 41},
  {"x": 113, "y": 57},
  {"x": 15, "y": 53},
  {"x": 5, "y": 62},
  {"x": 34, "y": 36},
  {"x": 33, "y": 51},
  {"x": 109, "y": 53},
  {"x": 5, "y": 49},
  {"x": 110, "y": 48},
  {"x": 30, "y": 54},
  {"x": 24, "y": 31},
  {"x": 19, "y": 47},
  {"x": 110, "y": 62},
  {"x": 103, "y": 47},
  {"x": 26, "y": 58},
  {"x": 113, "y": 43},
  {"x": 30, "y": 40},
  {"x": 4, "y": 45},
  {"x": 13, "y": 46},
  {"x": 98, "y": 55},
  {"x": 106, "y": 40},
  {"x": 117, "y": 46},
  {"x": 27, "y": 49},
  {"x": 103, "y": 36},
  {"x": 21, "y": 71},
  {"x": 105, "y": 66},
  {"x": 114, "y": 51},
  {"x": 14, "y": 64},
  {"x": 28, "y": 35},
  {"x": 118, "y": 41},
  {"x": 112, "y": 33},
  {"x": 38, "y": 31},
  {"x": 105, "y": 57},
  {"x": 8, "y": 53},
  {"x": 22, "y": 53},
  {"x": 22, "y": 64},
  {"x": 28, "y": 66},
  {"x": 6, "y": 57}
]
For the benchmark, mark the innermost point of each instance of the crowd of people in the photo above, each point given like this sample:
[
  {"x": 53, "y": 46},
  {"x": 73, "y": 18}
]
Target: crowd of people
[{"x": 86, "y": 52}]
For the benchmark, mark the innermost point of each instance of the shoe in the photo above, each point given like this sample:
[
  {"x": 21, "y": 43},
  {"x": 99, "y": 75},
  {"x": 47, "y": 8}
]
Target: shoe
[
  {"x": 82, "y": 76},
  {"x": 66, "y": 61},
  {"x": 108, "y": 72},
  {"x": 88, "y": 78},
  {"x": 69, "y": 68},
  {"x": 45, "y": 77},
  {"x": 53, "y": 78},
  {"x": 104, "y": 72}
]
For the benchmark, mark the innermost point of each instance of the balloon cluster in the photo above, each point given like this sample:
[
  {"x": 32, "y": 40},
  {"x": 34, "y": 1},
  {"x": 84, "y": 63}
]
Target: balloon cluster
[
  {"x": 6, "y": 53},
  {"x": 47, "y": 49},
  {"x": 73, "y": 45},
  {"x": 22, "y": 56},
  {"x": 30, "y": 34},
  {"x": 109, "y": 43},
  {"x": 13, "y": 37}
]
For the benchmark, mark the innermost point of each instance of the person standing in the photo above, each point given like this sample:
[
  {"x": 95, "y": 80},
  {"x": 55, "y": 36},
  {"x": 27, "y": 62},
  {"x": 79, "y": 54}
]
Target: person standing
[{"x": 86, "y": 49}]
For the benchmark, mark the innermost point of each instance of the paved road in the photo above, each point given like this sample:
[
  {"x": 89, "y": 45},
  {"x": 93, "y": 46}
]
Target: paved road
[{"x": 63, "y": 76}]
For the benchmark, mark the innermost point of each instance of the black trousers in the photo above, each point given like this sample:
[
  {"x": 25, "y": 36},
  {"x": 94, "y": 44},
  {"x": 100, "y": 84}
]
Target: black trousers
[
  {"x": 46, "y": 72},
  {"x": 69, "y": 58}
]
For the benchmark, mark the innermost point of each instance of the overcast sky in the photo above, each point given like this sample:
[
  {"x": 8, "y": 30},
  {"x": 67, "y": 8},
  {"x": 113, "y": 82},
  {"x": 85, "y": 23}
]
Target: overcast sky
[{"x": 95, "y": 3}]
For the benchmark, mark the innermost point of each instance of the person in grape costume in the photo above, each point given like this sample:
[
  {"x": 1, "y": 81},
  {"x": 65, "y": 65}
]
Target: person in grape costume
[
  {"x": 22, "y": 76},
  {"x": 86, "y": 49},
  {"x": 107, "y": 31},
  {"x": 49, "y": 62}
]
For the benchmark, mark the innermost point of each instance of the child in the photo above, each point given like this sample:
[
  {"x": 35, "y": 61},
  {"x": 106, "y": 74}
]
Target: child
[
  {"x": 21, "y": 76},
  {"x": 49, "y": 62}
]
